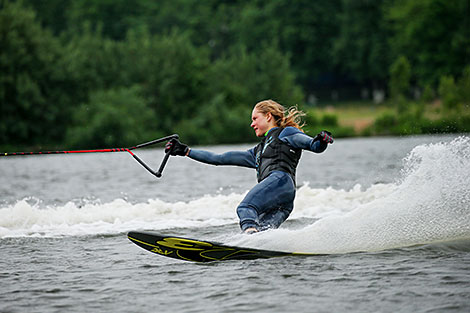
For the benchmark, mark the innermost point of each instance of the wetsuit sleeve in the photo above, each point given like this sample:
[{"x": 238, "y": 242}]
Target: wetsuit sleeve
[
  {"x": 239, "y": 158},
  {"x": 300, "y": 140}
]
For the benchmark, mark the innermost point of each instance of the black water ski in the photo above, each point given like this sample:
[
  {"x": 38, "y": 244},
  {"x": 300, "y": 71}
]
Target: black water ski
[{"x": 199, "y": 251}]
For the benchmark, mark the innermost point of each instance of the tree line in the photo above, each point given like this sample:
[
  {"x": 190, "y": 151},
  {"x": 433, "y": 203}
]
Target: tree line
[{"x": 101, "y": 73}]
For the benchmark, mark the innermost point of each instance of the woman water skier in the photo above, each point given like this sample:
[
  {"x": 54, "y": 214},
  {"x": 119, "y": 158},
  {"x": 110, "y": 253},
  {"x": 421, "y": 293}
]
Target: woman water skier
[{"x": 275, "y": 159}]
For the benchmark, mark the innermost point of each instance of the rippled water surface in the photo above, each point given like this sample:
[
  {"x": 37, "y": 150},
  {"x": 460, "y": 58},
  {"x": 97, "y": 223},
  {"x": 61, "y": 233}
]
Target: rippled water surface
[{"x": 393, "y": 215}]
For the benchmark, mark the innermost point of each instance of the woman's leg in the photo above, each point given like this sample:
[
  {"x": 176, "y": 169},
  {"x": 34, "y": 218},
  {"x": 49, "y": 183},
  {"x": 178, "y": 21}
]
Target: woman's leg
[
  {"x": 264, "y": 201},
  {"x": 275, "y": 217}
]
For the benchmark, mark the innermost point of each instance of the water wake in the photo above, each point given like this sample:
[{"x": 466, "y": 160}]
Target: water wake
[
  {"x": 29, "y": 217},
  {"x": 429, "y": 204}
]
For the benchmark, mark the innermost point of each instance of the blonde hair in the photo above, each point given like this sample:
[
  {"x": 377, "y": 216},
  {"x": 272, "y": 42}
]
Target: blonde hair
[{"x": 282, "y": 117}]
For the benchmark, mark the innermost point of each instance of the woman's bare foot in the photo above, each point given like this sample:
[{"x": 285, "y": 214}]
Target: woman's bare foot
[{"x": 250, "y": 230}]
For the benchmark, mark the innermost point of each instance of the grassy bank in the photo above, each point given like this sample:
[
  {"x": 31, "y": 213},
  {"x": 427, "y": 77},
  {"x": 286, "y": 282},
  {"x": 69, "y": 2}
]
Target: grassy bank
[{"x": 365, "y": 118}]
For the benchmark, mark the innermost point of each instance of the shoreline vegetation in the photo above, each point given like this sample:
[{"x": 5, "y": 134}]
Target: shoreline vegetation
[
  {"x": 364, "y": 119},
  {"x": 349, "y": 119},
  {"x": 94, "y": 74}
]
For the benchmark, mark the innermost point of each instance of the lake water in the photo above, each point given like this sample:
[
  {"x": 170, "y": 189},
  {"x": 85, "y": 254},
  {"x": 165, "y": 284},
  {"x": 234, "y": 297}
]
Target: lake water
[{"x": 392, "y": 215}]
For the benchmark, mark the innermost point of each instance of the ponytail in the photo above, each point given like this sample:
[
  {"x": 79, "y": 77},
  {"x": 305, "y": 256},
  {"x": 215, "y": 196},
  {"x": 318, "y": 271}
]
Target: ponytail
[{"x": 283, "y": 117}]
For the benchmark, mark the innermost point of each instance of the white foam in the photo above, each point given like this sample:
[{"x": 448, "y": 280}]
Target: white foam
[
  {"x": 431, "y": 203},
  {"x": 32, "y": 219},
  {"x": 25, "y": 219},
  {"x": 320, "y": 203}
]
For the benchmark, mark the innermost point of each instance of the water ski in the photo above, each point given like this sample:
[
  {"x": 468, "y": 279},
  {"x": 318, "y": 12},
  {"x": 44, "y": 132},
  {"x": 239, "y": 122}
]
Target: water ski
[{"x": 200, "y": 251}]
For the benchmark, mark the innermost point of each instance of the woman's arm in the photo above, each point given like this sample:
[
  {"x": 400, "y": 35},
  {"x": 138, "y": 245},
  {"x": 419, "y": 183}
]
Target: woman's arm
[
  {"x": 300, "y": 140},
  {"x": 238, "y": 158}
]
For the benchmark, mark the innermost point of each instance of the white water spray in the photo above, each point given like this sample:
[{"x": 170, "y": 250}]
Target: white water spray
[{"x": 431, "y": 203}]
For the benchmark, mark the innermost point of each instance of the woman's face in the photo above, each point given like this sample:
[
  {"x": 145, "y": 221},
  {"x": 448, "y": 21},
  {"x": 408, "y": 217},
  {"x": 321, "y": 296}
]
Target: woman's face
[{"x": 261, "y": 123}]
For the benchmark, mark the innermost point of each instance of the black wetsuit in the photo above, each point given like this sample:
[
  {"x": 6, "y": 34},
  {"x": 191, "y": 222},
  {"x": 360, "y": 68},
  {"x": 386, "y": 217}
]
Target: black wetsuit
[{"x": 271, "y": 201}]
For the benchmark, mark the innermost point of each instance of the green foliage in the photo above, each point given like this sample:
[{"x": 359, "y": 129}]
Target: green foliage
[
  {"x": 113, "y": 17},
  {"x": 51, "y": 13},
  {"x": 198, "y": 67},
  {"x": 403, "y": 124},
  {"x": 386, "y": 124},
  {"x": 304, "y": 29},
  {"x": 361, "y": 48},
  {"x": 245, "y": 78},
  {"x": 400, "y": 75},
  {"x": 311, "y": 119},
  {"x": 32, "y": 105},
  {"x": 455, "y": 96},
  {"x": 399, "y": 85},
  {"x": 415, "y": 122},
  {"x": 234, "y": 84},
  {"x": 92, "y": 62},
  {"x": 448, "y": 92},
  {"x": 356, "y": 39},
  {"x": 218, "y": 123},
  {"x": 428, "y": 94},
  {"x": 330, "y": 120},
  {"x": 464, "y": 87},
  {"x": 113, "y": 118},
  {"x": 171, "y": 71},
  {"x": 418, "y": 32}
]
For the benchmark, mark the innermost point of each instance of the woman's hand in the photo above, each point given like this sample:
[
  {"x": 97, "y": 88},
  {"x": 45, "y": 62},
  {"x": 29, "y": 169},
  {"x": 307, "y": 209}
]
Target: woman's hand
[
  {"x": 176, "y": 148},
  {"x": 325, "y": 136}
]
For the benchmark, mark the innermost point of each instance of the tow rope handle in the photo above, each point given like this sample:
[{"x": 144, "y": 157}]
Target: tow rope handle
[{"x": 158, "y": 173}]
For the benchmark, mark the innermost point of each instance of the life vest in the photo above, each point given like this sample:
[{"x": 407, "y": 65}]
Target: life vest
[{"x": 273, "y": 154}]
